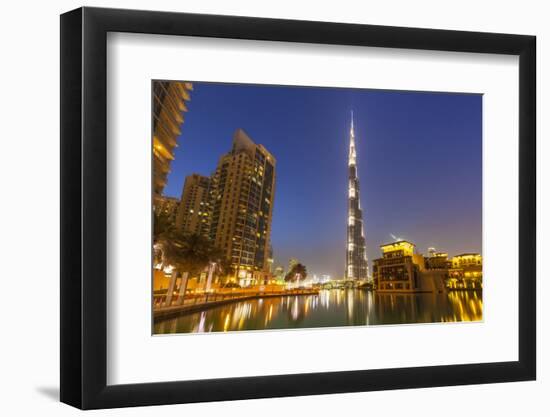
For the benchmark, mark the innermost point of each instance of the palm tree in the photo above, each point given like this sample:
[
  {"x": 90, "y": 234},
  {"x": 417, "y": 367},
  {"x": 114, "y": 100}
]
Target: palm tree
[
  {"x": 162, "y": 226},
  {"x": 225, "y": 266},
  {"x": 189, "y": 254},
  {"x": 297, "y": 273},
  {"x": 301, "y": 271},
  {"x": 217, "y": 264}
]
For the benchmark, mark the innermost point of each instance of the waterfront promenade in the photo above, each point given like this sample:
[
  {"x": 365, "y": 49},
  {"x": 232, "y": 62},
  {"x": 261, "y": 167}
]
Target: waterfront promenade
[{"x": 200, "y": 302}]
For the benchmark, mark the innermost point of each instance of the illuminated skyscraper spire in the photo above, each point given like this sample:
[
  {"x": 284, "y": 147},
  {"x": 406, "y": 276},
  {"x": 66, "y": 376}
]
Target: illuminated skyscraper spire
[
  {"x": 352, "y": 153},
  {"x": 356, "y": 252}
]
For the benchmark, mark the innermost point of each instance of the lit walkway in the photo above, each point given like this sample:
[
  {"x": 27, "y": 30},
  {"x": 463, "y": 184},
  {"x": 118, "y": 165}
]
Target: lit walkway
[{"x": 206, "y": 301}]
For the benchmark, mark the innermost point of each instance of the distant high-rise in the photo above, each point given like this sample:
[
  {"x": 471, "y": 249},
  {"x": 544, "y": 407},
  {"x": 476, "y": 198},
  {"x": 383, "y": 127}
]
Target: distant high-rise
[
  {"x": 169, "y": 99},
  {"x": 356, "y": 251},
  {"x": 193, "y": 215},
  {"x": 242, "y": 193}
]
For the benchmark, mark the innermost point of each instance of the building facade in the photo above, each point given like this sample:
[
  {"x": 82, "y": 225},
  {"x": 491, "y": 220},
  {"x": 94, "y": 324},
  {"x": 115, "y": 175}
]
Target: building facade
[
  {"x": 166, "y": 206},
  {"x": 399, "y": 268},
  {"x": 437, "y": 260},
  {"x": 356, "y": 250},
  {"x": 169, "y": 106},
  {"x": 242, "y": 195},
  {"x": 466, "y": 272},
  {"x": 193, "y": 215}
]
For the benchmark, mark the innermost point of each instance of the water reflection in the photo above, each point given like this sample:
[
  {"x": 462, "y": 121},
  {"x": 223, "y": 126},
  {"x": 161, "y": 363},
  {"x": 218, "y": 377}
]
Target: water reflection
[{"x": 329, "y": 309}]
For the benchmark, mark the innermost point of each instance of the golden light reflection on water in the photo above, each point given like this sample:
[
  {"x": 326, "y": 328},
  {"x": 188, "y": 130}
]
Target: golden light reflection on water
[
  {"x": 330, "y": 308},
  {"x": 468, "y": 303}
]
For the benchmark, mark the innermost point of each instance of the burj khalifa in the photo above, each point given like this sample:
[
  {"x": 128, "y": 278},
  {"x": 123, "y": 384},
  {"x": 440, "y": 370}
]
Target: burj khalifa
[{"x": 356, "y": 251}]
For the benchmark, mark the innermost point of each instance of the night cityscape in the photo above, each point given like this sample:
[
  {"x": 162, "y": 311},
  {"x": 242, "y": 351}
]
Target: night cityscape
[{"x": 281, "y": 207}]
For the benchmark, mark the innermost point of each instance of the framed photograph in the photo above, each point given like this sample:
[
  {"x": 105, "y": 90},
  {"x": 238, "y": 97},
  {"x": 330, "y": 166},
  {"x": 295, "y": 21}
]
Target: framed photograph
[{"x": 257, "y": 208}]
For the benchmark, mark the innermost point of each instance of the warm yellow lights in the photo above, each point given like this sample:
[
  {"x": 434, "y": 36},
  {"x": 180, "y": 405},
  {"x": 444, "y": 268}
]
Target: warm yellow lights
[
  {"x": 226, "y": 323},
  {"x": 403, "y": 245},
  {"x": 467, "y": 259}
]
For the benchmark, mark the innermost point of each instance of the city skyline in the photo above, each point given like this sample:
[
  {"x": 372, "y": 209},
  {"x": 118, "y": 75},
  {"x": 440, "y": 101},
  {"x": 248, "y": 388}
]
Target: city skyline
[{"x": 419, "y": 160}]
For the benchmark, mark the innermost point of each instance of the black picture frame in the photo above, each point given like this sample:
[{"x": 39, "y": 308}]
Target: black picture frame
[{"x": 84, "y": 207}]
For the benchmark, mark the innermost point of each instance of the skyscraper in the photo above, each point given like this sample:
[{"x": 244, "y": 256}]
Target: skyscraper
[
  {"x": 242, "y": 192},
  {"x": 193, "y": 215},
  {"x": 169, "y": 99},
  {"x": 356, "y": 251}
]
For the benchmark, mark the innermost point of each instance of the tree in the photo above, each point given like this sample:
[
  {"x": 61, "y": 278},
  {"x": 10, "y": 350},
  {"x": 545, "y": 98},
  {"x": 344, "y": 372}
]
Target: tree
[
  {"x": 297, "y": 273},
  {"x": 223, "y": 264},
  {"x": 188, "y": 254},
  {"x": 162, "y": 226}
]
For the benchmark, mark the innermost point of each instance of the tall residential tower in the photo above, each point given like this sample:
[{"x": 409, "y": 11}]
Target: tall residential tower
[
  {"x": 242, "y": 192},
  {"x": 356, "y": 251}
]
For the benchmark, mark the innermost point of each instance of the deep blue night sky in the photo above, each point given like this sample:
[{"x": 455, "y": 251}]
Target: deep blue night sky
[{"x": 418, "y": 154}]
